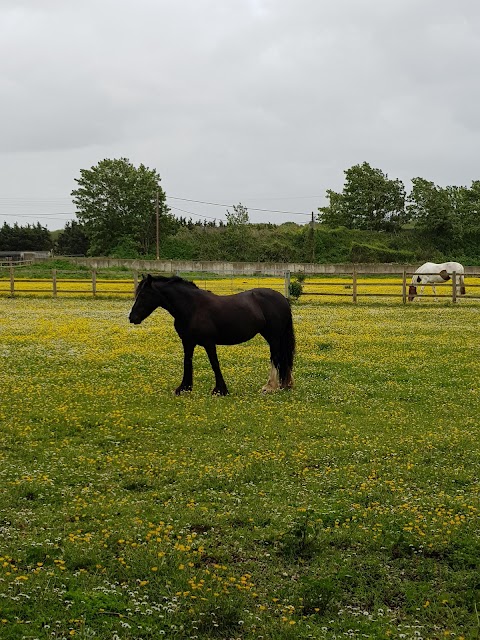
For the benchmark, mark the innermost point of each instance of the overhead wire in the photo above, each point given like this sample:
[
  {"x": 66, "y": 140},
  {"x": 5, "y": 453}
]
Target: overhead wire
[
  {"x": 57, "y": 215},
  {"x": 218, "y": 204}
]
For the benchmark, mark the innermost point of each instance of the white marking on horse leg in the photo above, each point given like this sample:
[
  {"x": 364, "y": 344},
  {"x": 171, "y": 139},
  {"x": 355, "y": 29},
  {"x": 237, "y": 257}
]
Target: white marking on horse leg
[
  {"x": 288, "y": 384},
  {"x": 434, "y": 292},
  {"x": 272, "y": 383},
  {"x": 420, "y": 292}
]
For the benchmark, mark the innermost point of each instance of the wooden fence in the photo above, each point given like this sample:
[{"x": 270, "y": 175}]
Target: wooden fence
[
  {"x": 347, "y": 285},
  {"x": 58, "y": 285},
  {"x": 354, "y": 287}
]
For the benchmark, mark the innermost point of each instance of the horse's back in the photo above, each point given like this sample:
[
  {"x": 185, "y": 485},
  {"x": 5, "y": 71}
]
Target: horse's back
[
  {"x": 434, "y": 267},
  {"x": 453, "y": 266}
]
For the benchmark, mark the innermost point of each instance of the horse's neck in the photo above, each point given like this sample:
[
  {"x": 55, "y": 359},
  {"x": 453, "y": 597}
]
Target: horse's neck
[{"x": 177, "y": 301}]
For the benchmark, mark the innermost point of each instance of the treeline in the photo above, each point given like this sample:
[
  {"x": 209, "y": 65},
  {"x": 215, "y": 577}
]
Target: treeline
[
  {"x": 27, "y": 238},
  {"x": 446, "y": 219},
  {"x": 288, "y": 242},
  {"x": 372, "y": 219}
]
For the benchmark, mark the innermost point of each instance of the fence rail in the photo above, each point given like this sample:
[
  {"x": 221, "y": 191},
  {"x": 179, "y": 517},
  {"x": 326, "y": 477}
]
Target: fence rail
[
  {"x": 393, "y": 285},
  {"x": 404, "y": 279}
]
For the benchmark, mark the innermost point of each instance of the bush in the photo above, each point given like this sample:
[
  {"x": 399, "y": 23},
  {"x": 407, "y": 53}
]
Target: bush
[
  {"x": 125, "y": 248},
  {"x": 295, "y": 289},
  {"x": 300, "y": 277}
]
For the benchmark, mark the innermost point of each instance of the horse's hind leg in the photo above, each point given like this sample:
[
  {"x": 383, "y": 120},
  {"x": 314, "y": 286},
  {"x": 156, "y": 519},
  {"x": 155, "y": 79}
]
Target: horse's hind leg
[
  {"x": 220, "y": 386},
  {"x": 274, "y": 381}
]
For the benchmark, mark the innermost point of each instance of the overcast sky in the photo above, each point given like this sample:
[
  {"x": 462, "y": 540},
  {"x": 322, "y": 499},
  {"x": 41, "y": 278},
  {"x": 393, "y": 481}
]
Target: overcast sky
[{"x": 264, "y": 102}]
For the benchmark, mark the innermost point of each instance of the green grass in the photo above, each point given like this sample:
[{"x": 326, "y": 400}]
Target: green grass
[
  {"x": 64, "y": 267},
  {"x": 348, "y": 507}
]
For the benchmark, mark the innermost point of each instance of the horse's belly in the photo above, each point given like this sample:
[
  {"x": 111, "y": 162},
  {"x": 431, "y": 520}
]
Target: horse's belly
[
  {"x": 226, "y": 333},
  {"x": 235, "y": 337}
]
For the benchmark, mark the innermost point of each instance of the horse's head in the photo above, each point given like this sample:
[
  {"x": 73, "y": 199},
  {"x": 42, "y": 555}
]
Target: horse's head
[
  {"x": 146, "y": 301},
  {"x": 412, "y": 292}
]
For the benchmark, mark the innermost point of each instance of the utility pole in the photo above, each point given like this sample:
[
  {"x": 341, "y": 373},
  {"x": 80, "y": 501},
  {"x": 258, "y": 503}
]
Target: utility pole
[
  {"x": 158, "y": 225},
  {"x": 312, "y": 226}
]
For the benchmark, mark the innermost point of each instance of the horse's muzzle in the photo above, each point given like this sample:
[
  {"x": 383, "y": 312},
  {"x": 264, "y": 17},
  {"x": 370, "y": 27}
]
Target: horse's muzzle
[{"x": 134, "y": 319}]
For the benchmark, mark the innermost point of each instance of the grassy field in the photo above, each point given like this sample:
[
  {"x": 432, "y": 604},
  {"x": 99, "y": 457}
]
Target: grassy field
[{"x": 347, "y": 508}]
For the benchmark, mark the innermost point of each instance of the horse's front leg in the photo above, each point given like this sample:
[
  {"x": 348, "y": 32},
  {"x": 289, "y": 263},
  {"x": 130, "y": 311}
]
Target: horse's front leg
[
  {"x": 220, "y": 386},
  {"x": 187, "y": 381}
]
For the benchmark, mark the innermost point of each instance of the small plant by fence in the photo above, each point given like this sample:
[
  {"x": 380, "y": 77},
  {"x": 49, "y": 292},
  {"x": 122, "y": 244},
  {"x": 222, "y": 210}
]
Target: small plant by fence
[{"x": 348, "y": 285}]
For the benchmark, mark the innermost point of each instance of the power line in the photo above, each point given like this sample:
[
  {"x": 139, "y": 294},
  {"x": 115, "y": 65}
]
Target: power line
[
  {"x": 23, "y": 201},
  {"x": 284, "y": 197},
  {"x": 37, "y": 215},
  {"x": 218, "y": 204}
]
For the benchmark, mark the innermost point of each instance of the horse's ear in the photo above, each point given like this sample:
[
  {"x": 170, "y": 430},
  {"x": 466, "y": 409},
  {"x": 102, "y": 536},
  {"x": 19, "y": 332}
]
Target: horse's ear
[{"x": 149, "y": 279}]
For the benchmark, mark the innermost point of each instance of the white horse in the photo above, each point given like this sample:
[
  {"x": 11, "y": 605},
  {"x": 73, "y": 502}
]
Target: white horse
[{"x": 432, "y": 273}]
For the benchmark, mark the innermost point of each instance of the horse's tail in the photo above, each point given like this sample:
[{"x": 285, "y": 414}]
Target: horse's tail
[{"x": 283, "y": 358}]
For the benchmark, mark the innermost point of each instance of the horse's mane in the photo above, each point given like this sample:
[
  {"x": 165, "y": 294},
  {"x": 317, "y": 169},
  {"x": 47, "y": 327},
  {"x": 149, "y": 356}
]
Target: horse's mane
[{"x": 174, "y": 280}]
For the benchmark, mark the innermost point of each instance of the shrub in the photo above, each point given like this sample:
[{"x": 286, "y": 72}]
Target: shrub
[
  {"x": 300, "y": 277},
  {"x": 295, "y": 289}
]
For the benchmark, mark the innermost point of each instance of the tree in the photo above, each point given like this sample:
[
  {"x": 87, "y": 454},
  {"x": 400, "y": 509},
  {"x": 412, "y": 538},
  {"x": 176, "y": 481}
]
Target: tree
[
  {"x": 435, "y": 210},
  {"x": 28, "y": 238},
  {"x": 238, "y": 217},
  {"x": 469, "y": 211},
  {"x": 73, "y": 240},
  {"x": 370, "y": 201},
  {"x": 335, "y": 215},
  {"x": 237, "y": 233},
  {"x": 116, "y": 204}
]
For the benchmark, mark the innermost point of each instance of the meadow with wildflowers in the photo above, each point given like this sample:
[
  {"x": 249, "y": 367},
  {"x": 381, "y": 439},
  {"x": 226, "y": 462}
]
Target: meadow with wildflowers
[{"x": 346, "y": 508}]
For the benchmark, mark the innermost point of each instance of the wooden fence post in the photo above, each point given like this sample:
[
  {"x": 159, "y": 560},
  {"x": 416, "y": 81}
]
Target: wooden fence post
[
  {"x": 54, "y": 282},
  {"x": 12, "y": 281},
  {"x": 287, "y": 285},
  {"x": 404, "y": 287},
  {"x": 354, "y": 286},
  {"x": 94, "y": 282},
  {"x": 454, "y": 286}
]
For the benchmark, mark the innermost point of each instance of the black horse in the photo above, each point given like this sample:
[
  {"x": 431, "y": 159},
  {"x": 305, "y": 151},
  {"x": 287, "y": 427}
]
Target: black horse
[{"x": 203, "y": 318}]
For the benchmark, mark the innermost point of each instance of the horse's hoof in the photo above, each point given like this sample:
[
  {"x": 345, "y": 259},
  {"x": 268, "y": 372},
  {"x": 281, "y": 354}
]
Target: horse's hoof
[
  {"x": 179, "y": 390},
  {"x": 220, "y": 392},
  {"x": 267, "y": 389}
]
